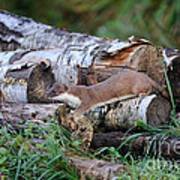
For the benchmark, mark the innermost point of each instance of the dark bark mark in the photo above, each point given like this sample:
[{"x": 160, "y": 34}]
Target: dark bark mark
[
  {"x": 5, "y": 45},
  {"x": 5, "y": 31},
  {"x": 57, "y": 31},
  {"x": 17, "y": 56}
]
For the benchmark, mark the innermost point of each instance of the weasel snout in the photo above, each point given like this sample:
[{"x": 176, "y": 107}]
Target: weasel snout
[{"x": 56, "y": 90}]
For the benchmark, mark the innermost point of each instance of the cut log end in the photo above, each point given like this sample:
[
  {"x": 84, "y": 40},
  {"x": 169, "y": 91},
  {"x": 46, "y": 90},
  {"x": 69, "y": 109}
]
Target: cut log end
[
  {"x": 158, "y": 111},
  {"x": 40, "y": 80}
]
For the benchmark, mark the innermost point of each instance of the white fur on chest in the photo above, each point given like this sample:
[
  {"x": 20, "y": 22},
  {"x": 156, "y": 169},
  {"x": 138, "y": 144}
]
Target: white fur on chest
[{"x": 70, "y": 99}]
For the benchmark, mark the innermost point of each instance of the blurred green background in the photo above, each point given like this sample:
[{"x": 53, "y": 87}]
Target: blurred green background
[{"x": 156, "y": 20}]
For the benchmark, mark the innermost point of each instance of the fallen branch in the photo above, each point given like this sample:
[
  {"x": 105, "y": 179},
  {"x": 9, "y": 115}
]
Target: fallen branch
[
  {"x": 169, "y": 148},
  {"x": 17, "y": 115}
]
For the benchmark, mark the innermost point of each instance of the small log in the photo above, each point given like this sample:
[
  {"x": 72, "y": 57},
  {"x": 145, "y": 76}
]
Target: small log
[
  {"x": 168, "y": 148},
  {"x": 96, "y": 169},
  {"x": 17, "y": 115}
]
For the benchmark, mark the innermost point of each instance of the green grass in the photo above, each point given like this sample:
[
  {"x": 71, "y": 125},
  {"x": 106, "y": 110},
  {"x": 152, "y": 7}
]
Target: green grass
[{"x": 21, "y": 158}]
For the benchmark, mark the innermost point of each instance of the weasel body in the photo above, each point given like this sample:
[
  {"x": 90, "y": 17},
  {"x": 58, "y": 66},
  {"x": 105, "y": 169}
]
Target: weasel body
[{"x": 117, "y": 87}]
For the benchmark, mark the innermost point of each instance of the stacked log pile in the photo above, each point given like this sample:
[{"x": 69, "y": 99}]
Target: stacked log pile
[{"x": 34, "y": 56}]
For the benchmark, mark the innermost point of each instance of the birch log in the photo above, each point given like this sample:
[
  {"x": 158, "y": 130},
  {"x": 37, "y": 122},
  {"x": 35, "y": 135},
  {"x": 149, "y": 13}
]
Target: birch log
[
  {"x": 50, "y": 57},
  {"x": 152, "y": 110},
  {"x": 21, "y": 32}
]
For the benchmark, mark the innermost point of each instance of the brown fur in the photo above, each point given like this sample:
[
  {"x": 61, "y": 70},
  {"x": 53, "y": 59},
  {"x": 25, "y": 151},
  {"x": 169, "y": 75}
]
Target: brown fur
[{"x": 121, "y": 84}]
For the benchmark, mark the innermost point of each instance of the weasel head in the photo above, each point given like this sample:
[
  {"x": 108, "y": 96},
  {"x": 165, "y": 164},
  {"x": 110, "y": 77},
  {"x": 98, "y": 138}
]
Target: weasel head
[
  {"x": 60, "y": 92},
  {"x": 56, "y": 90}
]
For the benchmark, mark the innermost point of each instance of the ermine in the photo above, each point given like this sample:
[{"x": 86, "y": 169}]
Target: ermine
[{"x": 117, "y": 87}]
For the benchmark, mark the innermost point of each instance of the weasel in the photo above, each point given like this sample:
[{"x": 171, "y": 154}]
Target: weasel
[{"x": 117, "y": 87}]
